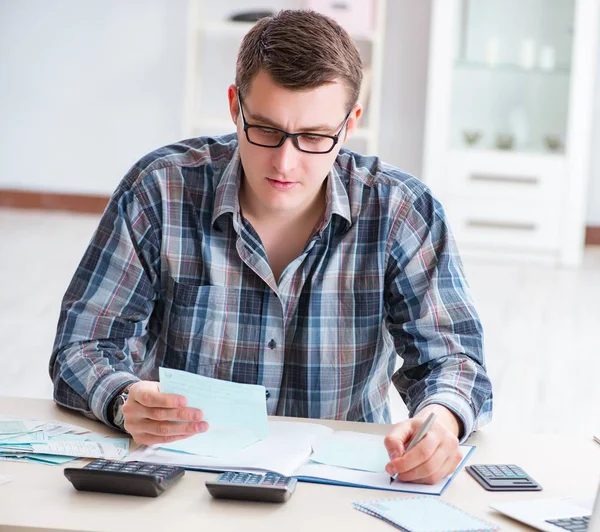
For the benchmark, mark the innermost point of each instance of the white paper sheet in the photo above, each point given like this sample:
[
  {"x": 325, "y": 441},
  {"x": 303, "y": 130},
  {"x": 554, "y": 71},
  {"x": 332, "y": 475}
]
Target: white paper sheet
[
  {"x": 287, "y": 447},
  {"x": 83, "y": 449}
]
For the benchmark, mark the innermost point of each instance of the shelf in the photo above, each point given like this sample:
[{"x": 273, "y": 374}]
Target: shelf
[
  {"x": 239, "y": 29},
  {"x": 495, "y": 157},
  {"x": 509, "y": 68}
]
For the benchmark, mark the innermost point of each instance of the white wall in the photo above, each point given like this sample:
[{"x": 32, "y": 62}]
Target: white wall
[
  {"x": 593, "y": 217},
  {"x": 404, "y": 87},
  {"x": 86, "y": 88}
]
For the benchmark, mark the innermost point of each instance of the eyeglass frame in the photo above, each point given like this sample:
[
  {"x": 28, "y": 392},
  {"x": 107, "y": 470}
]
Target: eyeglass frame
[{"x": 293, "y": 136}]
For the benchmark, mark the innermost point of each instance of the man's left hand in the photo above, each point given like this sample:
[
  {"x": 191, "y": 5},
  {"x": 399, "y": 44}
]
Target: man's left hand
[{"x": 434, "y": 457}]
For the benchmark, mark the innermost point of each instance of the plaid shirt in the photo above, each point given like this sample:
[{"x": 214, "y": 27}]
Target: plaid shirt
[{"x": 174, "y": 276}]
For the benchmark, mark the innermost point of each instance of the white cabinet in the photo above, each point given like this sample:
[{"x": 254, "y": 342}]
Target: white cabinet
[
  {"x": 508, "y": 126},
  {"x": 213, "y": 42}
]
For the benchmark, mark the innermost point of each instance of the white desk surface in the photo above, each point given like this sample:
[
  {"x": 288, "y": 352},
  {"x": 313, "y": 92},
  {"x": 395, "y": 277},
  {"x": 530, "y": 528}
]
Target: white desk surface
[{"x": 41, "y": 498}]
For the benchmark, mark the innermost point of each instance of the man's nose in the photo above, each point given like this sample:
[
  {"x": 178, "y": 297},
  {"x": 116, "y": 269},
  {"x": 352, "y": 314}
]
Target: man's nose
[{"x": 285, "y": 158}]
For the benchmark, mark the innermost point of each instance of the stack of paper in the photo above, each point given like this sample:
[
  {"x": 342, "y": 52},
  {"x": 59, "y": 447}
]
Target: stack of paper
[
  {"x": 53, "y": 442},
  {"x": 597, "y": 437}
]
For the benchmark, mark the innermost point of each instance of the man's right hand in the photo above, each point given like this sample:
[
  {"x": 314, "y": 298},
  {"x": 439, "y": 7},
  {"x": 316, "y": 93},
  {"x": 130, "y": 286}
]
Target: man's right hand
[{"x": 154, "y": 417}]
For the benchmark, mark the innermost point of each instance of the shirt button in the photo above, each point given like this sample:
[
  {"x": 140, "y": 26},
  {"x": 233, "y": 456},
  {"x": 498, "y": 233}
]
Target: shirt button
[{"x": 272, "y": 344}]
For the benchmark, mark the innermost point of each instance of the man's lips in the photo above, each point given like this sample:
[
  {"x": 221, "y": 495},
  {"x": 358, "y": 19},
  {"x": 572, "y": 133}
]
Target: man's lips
[{"x": 281, "y": 185}]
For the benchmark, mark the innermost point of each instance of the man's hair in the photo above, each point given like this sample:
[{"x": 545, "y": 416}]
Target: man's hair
[{"x": 300, "y": 50}]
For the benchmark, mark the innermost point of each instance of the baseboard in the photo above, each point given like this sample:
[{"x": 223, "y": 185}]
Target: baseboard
[
  {"x": 51, "y": 201},
  {"x": 592, "y": 235},
  {"x": 93, "y": 204}
]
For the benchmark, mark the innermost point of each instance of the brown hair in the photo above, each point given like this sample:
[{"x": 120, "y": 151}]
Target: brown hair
[{"x": 300, "y": 50}]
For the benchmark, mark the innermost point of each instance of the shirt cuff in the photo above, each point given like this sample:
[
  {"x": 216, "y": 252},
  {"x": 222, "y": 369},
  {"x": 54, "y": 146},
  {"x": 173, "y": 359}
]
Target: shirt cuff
[
  {"x": 458, "y": 406},
  {"x": 105, "y": 390}
]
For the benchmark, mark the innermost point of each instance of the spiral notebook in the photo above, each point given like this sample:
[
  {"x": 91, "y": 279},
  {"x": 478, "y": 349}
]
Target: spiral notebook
[{"x": 423, "y": 514}]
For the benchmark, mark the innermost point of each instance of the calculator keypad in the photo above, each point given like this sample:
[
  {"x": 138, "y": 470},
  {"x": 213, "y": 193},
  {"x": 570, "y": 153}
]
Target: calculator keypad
[
  {"x": 252, "y": 479},
  {"x": 162, "y": 472},
  {"x": 497, "y": 472},
  {"x": 573, "y": 524}
]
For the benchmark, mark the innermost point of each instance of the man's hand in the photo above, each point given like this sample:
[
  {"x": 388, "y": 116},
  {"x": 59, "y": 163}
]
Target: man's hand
[
  {"x": 154, "y": 417},
  {"x": 434, "y": 457}
]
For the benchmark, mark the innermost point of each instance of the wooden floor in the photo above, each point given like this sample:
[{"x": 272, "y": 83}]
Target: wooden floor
[{"x": 542, "y": 324}]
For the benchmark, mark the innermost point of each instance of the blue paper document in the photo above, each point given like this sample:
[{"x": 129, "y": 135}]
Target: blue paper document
[
  {"x": 423, "y": 514},
  {"x": 236, "y": 413},
  {"x": 352, "y": 450}
]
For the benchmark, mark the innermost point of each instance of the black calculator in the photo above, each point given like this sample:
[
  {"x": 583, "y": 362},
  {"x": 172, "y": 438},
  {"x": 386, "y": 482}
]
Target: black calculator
[
  {"x": 502, "y": 477},
  {"x": 125, "y": 478},
  {"x": 270, "y": 487}
]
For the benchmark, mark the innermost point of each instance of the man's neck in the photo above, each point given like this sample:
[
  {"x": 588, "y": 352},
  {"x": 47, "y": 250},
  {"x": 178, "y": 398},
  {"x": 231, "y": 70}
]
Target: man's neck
[{"x": 304, "y": 215}]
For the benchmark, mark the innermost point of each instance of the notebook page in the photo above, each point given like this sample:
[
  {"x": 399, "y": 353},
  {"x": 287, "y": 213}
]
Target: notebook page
[{"x": 423, "y": 514}]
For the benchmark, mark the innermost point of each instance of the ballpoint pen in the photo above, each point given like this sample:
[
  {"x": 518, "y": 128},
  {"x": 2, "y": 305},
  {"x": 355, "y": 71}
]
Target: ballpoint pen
[{"x": 418, "y": 437}]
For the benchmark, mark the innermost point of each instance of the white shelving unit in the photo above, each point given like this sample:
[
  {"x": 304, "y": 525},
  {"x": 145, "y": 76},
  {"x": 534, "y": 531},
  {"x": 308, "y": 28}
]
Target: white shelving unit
[
  {"x": 213, "y": 43},
  {"x": 508, "y": 126}
]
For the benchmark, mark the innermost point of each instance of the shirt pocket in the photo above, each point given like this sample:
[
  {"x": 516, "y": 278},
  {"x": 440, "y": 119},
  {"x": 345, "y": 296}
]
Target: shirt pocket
[{"x": 207, "y": 333}]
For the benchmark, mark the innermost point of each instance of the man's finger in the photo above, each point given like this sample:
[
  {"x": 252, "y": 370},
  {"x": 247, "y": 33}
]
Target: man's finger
[
  {"x": 417, "y": 456},
  {"x": 171, "y": 414},
  {"x": 446, "y": 468},
  {"x": 170, "y": 428},
  {"x": 396, "y": 440},
  {"x": 155, "y": 399},
  {"x": 425, "y": 464}
]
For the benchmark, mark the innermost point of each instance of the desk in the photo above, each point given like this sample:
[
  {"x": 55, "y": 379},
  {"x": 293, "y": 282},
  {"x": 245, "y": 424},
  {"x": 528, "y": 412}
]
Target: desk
[{"x": 40, "y": 498}]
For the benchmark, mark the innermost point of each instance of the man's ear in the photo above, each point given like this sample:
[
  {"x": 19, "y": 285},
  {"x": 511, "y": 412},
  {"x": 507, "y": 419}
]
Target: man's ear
[
  {"x": 352, "y": 123},
  {"x": 234, "y": 108}
]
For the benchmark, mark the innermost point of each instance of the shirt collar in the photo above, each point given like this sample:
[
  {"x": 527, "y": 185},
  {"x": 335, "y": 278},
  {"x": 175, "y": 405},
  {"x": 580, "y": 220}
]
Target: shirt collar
[
  {"x": 227, "y": 191},
  {"x": 227, "y": 194},
  {"x": 337, "y": 200}
]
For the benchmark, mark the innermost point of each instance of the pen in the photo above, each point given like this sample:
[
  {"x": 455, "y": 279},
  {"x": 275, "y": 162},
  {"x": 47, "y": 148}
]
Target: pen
[{"x": 418, "y": 437}]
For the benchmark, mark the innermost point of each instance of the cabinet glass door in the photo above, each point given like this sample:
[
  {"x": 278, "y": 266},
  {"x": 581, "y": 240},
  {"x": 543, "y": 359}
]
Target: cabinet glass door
[{"x": 511, "y": 75}]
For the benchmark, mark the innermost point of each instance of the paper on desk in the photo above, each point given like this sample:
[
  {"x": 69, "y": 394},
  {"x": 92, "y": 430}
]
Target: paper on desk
[
  {"x": 597, "y": 437},
  {"x": 236, "y": 413},
  {"x": 18, "y": 426},
  {"x": 352, "y": 450},
  {"x": 53, "y": 428},
  {"x": 84, "y": 449},
  {"x": 49, "y": 459},
  {"x": 31, "y": 437},
  {"x": 423, "y": 513},
  {"x": 119, "y": 443}
]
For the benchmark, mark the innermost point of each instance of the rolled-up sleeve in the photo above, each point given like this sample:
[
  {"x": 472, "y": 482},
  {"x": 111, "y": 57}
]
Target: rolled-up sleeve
[{"x": 432, "y": 318}]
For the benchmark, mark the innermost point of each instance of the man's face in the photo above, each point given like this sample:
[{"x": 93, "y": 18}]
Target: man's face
[{"x": 286, "y": 180}]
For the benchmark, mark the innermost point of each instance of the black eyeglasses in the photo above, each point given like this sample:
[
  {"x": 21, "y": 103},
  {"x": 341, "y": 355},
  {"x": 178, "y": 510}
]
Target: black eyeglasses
[{"x": 272, "y": 137}]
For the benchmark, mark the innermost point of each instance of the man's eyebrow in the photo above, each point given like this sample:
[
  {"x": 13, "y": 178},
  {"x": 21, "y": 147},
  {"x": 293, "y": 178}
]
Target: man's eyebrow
[{"x": 267, "y": 121}]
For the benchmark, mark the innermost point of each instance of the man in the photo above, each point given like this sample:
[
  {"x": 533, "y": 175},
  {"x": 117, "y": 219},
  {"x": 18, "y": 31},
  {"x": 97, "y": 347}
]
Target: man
[{"x": 275, "y": 257}]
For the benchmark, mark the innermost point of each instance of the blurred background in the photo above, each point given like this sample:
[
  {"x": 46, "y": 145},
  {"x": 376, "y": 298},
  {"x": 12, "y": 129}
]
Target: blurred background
[{"x": 495, "y": 104}]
